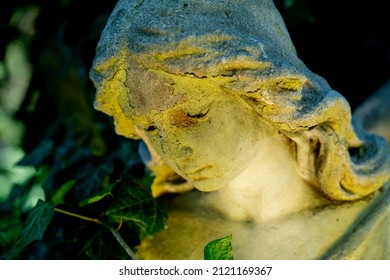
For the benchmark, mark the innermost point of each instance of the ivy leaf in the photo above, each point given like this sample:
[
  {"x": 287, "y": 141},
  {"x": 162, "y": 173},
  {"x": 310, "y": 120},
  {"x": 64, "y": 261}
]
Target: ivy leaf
[
  {"x": 220, "y": 249},
  {"x": 135, "y": 203},
  {"x": 10, "y": 226},
  {"x": 33, "y": 229},
  {"x": 36, "y": 157},
  {"x": 91, "y": 178},
  {"x": 147, "y": 180},
  {"x": 58, "y": 197},
  {"x": 99, "y": 195}
]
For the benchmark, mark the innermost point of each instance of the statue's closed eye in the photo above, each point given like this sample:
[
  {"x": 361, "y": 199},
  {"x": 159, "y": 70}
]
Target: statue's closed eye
[
  {"x": 197, "y": 116},
  {"x": 200, "y": 114}
]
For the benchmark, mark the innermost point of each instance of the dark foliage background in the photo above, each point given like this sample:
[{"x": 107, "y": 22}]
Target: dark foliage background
[{"x": 71, "y": 166}]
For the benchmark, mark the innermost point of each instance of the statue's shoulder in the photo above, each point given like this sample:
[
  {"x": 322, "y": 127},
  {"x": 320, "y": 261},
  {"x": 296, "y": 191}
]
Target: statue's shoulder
[{"x": 368, "y": 237}]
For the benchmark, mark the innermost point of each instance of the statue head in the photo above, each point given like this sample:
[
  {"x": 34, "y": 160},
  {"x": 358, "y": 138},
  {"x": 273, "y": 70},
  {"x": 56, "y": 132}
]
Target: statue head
[{"x": 202, "y": 81}]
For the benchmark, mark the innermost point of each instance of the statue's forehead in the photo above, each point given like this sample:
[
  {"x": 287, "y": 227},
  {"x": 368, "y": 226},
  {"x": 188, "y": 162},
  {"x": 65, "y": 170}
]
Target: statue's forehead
[
  {"x": 154, "y": 91},
  {"x": 150, "y": 92}
]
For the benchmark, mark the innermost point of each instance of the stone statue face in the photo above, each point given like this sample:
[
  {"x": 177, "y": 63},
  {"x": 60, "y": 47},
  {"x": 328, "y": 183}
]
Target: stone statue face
[{"x": 204, "y": 134}]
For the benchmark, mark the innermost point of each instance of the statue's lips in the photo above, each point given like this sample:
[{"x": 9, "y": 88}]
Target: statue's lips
[
  {"x": 208, "y": 167},
  {"x": 198, "y": 174}
]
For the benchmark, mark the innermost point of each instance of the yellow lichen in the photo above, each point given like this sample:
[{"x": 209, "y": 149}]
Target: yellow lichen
[
  {"x": 112, "y": 92},
  {"x": 179, "y": 52}
]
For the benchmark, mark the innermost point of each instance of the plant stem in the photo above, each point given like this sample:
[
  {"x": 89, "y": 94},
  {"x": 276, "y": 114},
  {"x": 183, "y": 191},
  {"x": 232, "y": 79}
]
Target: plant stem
[
  {"x": 114, "y": 232},
  {"x": 78, "y": 216},
  {"x": 122, "y": 242}
]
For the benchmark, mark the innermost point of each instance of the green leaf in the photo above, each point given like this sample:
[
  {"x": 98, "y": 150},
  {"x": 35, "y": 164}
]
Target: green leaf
[
  {"x": 135, "y": 203},
  {"x": 147, "y": 180},
  {"x": 10, "y": 226},
  {"x": 99, "y": 195},
  {"x": 36, "y": 157},
  {"x": 33, "y": 229},
  {"x": 92, "y": 178},
  {"x": 96, "y": 247},
  {"x": 103, "y": 246},
  {"x": 58, "y": 197},
  {"x": 220, "y": 249}
]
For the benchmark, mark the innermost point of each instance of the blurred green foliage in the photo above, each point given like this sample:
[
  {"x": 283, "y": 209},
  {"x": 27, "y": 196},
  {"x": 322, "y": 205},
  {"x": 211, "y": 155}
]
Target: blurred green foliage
[{"x": 70, "y": 188}]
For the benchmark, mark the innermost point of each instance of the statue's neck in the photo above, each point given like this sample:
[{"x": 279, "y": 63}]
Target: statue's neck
[{"x": 269, "y": 188}]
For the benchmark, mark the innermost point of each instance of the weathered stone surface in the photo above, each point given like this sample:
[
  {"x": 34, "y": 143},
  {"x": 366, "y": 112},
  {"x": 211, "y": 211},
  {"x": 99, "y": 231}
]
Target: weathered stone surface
[{"x": 216, "y": 91}]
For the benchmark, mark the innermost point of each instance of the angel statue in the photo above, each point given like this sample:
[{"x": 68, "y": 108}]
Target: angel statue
[{"x": 244, "y": 139}]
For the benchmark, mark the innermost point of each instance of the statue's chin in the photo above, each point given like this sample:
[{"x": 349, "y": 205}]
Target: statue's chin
[
  {"x": 208, "y": 185},
  {"x": 212, "y": 179}
]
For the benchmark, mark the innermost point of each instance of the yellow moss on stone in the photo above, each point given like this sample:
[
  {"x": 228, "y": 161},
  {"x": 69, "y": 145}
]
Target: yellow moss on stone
[{"x": 112, "y": 92}]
